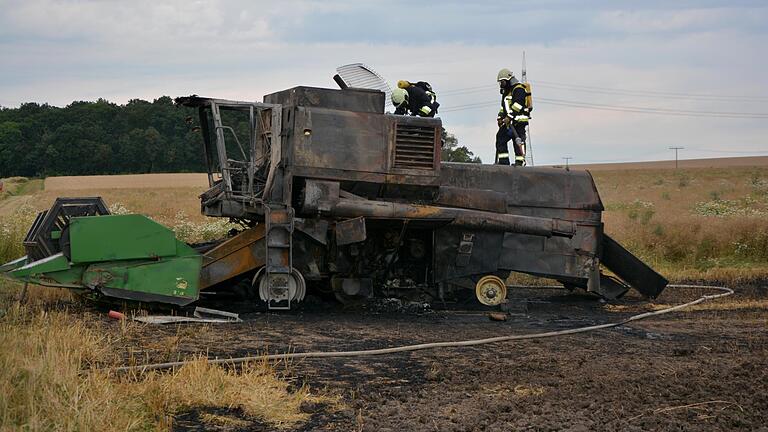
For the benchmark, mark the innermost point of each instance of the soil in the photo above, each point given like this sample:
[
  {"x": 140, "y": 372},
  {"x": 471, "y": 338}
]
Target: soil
[{"x": 698, "y": 370}]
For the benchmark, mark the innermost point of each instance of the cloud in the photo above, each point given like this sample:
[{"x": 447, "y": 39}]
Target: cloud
[{"x": 59, "y": 51}]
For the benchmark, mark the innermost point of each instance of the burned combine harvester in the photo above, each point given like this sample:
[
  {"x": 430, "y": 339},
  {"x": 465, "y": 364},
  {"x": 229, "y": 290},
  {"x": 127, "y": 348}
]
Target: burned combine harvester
[{"x": 337, "y": 195}]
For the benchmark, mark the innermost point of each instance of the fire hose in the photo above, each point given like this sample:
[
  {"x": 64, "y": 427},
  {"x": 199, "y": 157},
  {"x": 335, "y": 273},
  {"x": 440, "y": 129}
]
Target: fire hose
[{"x": 724, "y": 292}]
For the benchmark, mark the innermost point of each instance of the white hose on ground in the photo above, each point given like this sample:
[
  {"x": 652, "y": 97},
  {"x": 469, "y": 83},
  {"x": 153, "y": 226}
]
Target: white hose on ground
[{"x": 406, "y": 348}]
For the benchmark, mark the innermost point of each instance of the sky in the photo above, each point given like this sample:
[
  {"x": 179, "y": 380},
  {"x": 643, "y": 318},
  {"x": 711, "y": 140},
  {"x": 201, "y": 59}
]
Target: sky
[{"x": 612, "y": 80}]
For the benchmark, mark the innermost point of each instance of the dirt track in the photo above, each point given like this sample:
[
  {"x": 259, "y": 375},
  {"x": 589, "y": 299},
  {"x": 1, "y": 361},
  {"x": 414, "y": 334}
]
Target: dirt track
[{"x": 701, "y": 370}]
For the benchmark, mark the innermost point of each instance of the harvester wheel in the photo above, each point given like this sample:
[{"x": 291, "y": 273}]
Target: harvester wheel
[
  {"x": 491, "y": 290},
  {"x": 297, "y": 287}
]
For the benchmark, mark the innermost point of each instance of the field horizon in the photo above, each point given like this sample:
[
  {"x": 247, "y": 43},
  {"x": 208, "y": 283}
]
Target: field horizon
[{"x": 695, "y": 222}]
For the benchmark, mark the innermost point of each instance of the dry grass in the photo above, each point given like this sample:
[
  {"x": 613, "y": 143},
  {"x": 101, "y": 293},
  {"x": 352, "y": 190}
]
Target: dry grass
[
  {"x": 691, "y": 224},
  {"x": 745, "y": 161},
  {"x": 161, "y": 204},
  {"x": 133, "y": 181},
  {"x": 45, "y": 385},
  {"x": 19, "y": 186}
]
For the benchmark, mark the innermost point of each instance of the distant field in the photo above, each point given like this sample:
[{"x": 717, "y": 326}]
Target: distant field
[
  {"x": 133, "y": 181},
  {"x": 751, "y": 161},
  {"x": 708, "y": 222},
  {"x": 161, "y": 196}
]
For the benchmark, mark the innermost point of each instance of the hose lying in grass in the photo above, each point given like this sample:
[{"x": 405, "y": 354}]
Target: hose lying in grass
[{"x": 406, "y": 348}]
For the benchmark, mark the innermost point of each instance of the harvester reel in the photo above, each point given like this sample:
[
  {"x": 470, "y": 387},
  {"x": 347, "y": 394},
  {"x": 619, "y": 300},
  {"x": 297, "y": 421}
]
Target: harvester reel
[
  {"x": 49, "y": 233},
  {"x": 297, "y": 287},
  {"x": 491, "y": 290}
]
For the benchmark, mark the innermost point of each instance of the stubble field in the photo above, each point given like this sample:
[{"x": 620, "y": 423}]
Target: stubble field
[{"x": 704, "y": 369}]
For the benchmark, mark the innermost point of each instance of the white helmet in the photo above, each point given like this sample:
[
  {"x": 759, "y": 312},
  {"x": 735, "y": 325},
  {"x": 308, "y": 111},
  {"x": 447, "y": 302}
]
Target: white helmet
[
  {"x": 399, "y": 96},
  {"x": 505, "y": 75}
]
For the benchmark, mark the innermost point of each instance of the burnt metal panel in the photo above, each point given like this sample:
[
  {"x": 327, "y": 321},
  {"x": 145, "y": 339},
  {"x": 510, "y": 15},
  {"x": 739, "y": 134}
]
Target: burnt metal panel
[
  {"x": 236, "y": 256},
  {"x": 481, "y": 258},
  {"x": 352, "y": 99},
  {"x": 366, "y": 177},
  {"x": 350, "y": 231},
  {"x": 544, "y": 256},
  {"x": 476, "y": 199},
  {"x": 332, "y": 139},
  {"x": 630, "y": 269},
  {"x": 314, "y": 228},
  {"x": 527, "y": 187}
]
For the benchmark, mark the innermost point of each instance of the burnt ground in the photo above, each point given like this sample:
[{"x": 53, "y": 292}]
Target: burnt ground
[{"x": 700, "y": 370}]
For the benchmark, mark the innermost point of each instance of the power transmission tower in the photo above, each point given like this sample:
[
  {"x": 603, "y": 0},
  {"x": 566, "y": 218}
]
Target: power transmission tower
[
  {"x": 529, "y": 142},
  {"x": 567, "y": 158},
  {"x": 676, "y": 149}
]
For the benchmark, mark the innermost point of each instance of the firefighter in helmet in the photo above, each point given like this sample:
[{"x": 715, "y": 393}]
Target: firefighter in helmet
[
  {"x": 418, "y": 98},
  {"x": 512, "y": 119}
]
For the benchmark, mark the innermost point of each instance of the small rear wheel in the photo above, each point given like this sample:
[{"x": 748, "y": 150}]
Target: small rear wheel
[{"x": 491, "y": 290}]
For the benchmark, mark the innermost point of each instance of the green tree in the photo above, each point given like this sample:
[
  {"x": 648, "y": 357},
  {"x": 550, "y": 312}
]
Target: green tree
[
  {"x": 452, "y": 152},
  {"x": 10, "y": 140}
]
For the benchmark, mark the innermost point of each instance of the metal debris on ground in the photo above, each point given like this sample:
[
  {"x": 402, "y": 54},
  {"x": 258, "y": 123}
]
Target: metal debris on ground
[
  {"x": 497, "y": 316},
  {"x": 200, "y": 315},
  {"x": 389, "y": 305}
]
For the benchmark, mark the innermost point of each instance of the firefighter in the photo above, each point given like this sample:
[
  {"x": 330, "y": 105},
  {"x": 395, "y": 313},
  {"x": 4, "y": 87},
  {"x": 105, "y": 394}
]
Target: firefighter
[
  {"x": 512, "y": 119},
  {"x": 418, "y": 98}
]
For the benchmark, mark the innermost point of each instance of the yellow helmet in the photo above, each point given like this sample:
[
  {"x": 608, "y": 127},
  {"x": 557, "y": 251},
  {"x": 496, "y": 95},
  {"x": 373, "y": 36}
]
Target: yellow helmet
[
  {"x": 403, "y": 84},
  {"x": 399, "y": 96}
]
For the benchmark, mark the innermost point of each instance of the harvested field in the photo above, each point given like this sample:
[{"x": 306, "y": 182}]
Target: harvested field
[
  {"x": 704, "y": 369},
  {"x": 131, "y": 181},
  {"x": 731, "y": 162}
]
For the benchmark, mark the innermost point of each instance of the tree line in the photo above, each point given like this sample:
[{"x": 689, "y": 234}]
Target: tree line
[
  {"x": 101, "y": 137},
  {"x": 38, "y": 140}
]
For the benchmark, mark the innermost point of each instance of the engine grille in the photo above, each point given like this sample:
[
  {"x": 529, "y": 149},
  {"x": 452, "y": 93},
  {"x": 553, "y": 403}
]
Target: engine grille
[{"x": 415, "y": 147}]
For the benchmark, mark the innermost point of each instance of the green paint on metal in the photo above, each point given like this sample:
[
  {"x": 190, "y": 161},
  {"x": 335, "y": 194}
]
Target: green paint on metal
[
  {"x": 13, "y": 265},
  {"x": 119, "y": 237},
  {"x": 53, "y": 263},
  {"x": 55, "y": 270},
  {"x": 177, "y": 277},
  {"x": 123, "y": 256}
]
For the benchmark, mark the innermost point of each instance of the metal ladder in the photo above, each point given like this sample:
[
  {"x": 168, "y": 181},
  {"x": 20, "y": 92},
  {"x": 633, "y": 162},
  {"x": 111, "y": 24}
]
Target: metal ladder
[{"x": 279, "y": 258}]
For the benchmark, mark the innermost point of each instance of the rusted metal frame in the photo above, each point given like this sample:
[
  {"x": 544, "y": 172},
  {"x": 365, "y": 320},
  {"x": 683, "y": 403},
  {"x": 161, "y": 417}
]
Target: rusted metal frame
[
  {"x": 231, "y": 258},
  {"x": 235, "y": 243},
  {"x": 275, "y": 150},
  {"x": 252, "y": 149},
  {"x": 423, "y": 178},
  {"x": 221, "y": 149},
  {"x": 215, "y": 106},
  {"x": 460, "y": 217},
  {"x": 234, "y": 135},
  {"x": 206, "y": 142},
  {"x": 239, "y": 262}
]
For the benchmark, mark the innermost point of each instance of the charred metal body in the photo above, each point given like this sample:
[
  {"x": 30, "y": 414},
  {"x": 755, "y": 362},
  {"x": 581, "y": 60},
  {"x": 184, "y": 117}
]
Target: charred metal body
[
  {"x": 338, "y": 196},
  {"x": 338, "y": 191}
]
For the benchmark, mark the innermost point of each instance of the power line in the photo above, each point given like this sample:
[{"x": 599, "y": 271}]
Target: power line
[
  {"x": 731, "y": 151},
  {"x": 616, "y": 91},
  {"x": 657, "y": 110},
  {"x": 622, "y": 108},
  {"x": 654, "y": 92}
]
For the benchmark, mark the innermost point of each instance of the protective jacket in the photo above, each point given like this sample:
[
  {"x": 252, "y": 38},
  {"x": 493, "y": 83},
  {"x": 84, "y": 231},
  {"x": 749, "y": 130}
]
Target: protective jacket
[
  {"x": 513, "y": 103},
  {"x": 420, "y": 102}
]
